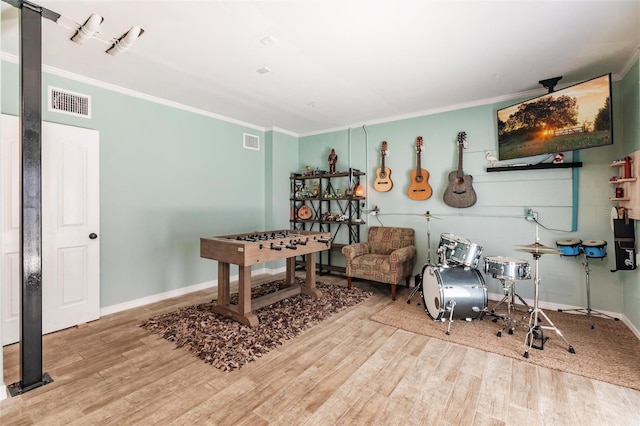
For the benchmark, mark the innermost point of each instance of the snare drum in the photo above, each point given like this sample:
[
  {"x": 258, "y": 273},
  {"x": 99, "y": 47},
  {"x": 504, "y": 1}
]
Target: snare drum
[
  {"x": 595, "y": 248},
  {"x": 569, "y": 247},
  {"x": 466, "y": 253},
  {"x": 507, "y": 268},
  {"x": 459, "y": 288}
]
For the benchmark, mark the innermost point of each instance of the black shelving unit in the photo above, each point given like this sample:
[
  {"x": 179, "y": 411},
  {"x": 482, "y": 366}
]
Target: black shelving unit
[{"x": 332, "y": 206}]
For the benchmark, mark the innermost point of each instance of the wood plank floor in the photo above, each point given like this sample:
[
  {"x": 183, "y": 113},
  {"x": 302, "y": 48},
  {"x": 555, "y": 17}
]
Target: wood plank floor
[{"x": 347, "y": 370}]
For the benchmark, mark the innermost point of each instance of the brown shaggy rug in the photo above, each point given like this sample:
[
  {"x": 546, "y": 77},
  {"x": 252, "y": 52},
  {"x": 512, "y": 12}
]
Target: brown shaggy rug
[{"x": 228, "y": 344}]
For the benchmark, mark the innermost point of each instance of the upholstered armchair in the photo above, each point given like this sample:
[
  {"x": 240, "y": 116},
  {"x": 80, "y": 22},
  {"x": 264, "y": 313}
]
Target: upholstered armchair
[{"x": 388, "y": 256}]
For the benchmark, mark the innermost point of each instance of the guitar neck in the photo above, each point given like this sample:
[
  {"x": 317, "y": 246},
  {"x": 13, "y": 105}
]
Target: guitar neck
[
  {"x": 460, "y": 172},
  {"x": 418, "y": 166}
]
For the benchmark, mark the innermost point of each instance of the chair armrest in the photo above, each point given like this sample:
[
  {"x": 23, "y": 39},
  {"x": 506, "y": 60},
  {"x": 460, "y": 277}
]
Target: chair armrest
[
  {"x": 354, "y": 250},
  {"x": 403, "y": 254}
]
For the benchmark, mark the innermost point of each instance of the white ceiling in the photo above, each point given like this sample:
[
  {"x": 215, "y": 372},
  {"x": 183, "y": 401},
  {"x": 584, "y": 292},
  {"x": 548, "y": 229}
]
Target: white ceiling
[{"x": 339, "y": 64}]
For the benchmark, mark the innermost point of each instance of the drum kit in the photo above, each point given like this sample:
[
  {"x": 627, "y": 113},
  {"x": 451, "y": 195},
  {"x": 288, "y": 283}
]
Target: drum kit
[{"x": 455, "y": 289}]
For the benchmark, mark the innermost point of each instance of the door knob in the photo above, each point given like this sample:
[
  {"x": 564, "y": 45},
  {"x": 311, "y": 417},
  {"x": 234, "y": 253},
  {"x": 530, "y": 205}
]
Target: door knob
[{"x": 93, "y": 236}]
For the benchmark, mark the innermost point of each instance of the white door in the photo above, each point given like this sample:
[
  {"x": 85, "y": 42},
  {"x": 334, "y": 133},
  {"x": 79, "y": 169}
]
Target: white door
[{"x": 70, "y": 215}]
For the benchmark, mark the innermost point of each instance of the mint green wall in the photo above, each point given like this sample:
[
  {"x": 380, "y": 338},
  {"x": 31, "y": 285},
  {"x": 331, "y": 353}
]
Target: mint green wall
[
  {"x": 281, "y": 151},
  {"x": 497, "y": 221},
  {"x": 630, "y": 93},
  {"x": 167, "y": 178}
]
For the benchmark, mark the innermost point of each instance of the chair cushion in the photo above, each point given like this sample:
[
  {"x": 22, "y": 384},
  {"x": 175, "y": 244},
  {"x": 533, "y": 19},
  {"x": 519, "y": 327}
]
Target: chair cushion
[{"x": 368, "y": 263}]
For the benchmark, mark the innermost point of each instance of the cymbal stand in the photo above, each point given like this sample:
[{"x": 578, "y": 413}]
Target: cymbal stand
[
  {"x": 509, "y": 286},
  {"x": 418, "y": 286},
  {"x": 588, "y": 309},
  {"x": 535, "y": 329}
]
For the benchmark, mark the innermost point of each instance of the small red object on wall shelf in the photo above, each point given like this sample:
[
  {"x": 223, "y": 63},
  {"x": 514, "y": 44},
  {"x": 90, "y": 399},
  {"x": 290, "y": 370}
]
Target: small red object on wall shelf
[{"x": 627, "y": 167}]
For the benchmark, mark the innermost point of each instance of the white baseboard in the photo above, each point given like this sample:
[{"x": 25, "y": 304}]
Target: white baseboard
[
  {"x": 3, "y": 392},
  {"x": 178, "y": 292}
]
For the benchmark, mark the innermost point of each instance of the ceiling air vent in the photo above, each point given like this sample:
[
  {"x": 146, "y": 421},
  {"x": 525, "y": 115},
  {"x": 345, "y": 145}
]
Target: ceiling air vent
[
  {"x": 251, "y": 142},
  {"x": 68, "y": 102}
]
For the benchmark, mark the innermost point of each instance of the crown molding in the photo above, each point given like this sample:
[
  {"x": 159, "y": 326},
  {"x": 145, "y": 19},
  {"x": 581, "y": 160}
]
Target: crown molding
[{"x": 112, "y": 87}]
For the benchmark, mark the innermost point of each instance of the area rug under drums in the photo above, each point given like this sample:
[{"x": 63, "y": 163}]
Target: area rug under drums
[
  {"x": 228, "y": 344},
  {"x": 609, "y": 352}
]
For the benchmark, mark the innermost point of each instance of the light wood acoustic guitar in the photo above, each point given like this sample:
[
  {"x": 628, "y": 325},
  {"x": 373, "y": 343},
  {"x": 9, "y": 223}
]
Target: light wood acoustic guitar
[
  {"x": 383, "y": 182},
  {"x": 419, "y": 188},
  {"x": 460, "y": 192}
]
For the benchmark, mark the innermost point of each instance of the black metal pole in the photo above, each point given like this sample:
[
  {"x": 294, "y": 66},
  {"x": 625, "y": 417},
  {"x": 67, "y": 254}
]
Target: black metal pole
[{"x": 31, "y": 375}]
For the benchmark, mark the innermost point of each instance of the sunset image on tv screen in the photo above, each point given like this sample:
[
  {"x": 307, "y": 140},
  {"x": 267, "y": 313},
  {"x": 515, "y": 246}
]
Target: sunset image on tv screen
[{"x": 575, "y": 117}]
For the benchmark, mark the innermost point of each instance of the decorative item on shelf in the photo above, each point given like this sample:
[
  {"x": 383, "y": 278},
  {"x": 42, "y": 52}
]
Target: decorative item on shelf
[
  {"x": 308, "y": 171},
  {"x": 332, "y": 159},
  {"x": 304, "y": 212},
  {"x": 490, "y": 158},
  {"x": 558, "y": 158},
  {"x": 619, "y": 192},
  {"x": 360, "y": 191},
  {"x": 314, "y": 191},
  {"x": 627, "y": 167}
]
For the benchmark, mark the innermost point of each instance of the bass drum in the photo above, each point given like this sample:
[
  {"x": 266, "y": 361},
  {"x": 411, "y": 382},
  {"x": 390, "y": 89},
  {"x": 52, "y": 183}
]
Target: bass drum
[{"x": 462, "y": 288}]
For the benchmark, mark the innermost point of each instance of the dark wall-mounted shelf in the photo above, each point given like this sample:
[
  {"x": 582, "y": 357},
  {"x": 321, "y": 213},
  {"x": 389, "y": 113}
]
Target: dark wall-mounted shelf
[{"x": 534, "y": 167}]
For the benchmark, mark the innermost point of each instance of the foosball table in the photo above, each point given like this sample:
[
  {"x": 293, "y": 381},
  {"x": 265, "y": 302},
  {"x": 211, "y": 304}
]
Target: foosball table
[{"x": 246, "y": 250}]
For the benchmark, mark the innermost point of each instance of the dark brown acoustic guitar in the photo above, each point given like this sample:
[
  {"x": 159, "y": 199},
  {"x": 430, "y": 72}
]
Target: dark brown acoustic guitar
[
  {"x": 419, "y": 188},
  {"x": 383, "y": 181},
  {"x": 460, "y": 192}
]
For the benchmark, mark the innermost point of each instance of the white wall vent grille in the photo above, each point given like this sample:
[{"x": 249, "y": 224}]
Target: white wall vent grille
[
  {"x": 68, "y": 102},
  {"x": 251, "y": 142}
]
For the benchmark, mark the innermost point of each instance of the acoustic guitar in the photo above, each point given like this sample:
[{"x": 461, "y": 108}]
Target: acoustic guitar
[
  {"x": 419, "y": 188},
  {"x": 383, "y": 181},
  {"x": 460, "y": 192}
]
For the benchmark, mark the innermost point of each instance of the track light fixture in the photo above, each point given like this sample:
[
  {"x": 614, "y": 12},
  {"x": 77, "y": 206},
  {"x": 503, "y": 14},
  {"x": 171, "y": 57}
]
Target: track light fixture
[
  {"x": 88, "y": 29},
  {"x": 125, "y": 41}
]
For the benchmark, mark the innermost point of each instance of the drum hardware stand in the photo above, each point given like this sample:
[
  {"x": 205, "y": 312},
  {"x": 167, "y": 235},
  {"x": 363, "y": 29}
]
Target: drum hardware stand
[
  {"x": 451, "y": 308},
  {"x": 588, "y": 309},
  {"x": 509, "y": 293},
  {"x": 452, "y": 305},
  {"x": 536, "y": 330},
  {"x": 418, "y": 285}
]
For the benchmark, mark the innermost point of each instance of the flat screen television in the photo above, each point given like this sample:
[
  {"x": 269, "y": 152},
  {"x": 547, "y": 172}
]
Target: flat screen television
[{"x": 575, "y": 117}]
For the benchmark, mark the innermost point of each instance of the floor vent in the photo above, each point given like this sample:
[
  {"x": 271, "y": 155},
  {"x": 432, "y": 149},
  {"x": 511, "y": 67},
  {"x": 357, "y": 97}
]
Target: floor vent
[
  {"x": 251, "y": 142},
  {"x": 68, "y": 102}
]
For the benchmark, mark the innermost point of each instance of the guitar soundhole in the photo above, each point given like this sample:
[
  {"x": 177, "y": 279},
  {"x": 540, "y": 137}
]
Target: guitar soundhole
[
  {"x": 383, "y": 175},
  {"x": 459, "y": 180},
  {"x": 419, "y": 178}
]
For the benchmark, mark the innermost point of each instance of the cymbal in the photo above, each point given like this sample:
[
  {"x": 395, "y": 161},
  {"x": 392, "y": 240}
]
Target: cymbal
[
  {"x": 539, "y": 250},
  {"x": 536, "y": 245},
  {"x": 428, "y": 215}
]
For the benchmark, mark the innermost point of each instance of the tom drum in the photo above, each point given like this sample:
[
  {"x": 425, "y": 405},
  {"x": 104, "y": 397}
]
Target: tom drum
[
  {"x": 466, "y": 253},
  {"x": 460, "y": 288},
  {"x": 447, "y": 244}
]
